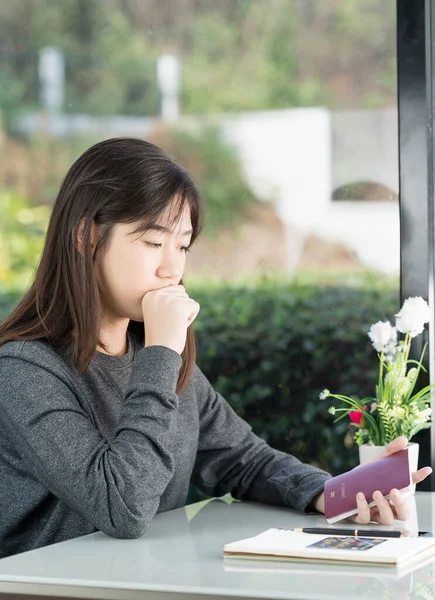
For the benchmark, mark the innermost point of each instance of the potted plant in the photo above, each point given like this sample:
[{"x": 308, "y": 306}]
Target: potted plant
[{"x": 394, "y": 409}]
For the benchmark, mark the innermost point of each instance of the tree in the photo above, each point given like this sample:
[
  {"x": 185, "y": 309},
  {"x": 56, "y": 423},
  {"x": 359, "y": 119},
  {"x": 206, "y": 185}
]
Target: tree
[{"x": 236, "y": 54}]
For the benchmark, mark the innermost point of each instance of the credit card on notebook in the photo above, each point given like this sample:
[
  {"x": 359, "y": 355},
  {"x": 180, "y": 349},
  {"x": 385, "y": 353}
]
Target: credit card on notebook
[{"x": 383, "y": 474}]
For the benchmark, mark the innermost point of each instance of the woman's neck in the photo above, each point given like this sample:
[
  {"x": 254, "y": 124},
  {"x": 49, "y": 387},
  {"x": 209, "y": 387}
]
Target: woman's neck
[{"x": 113, "y": 334}]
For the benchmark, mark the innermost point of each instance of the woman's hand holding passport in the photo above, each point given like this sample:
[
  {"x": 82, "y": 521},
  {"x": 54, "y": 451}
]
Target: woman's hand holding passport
[{"x": 374, "y": 491}]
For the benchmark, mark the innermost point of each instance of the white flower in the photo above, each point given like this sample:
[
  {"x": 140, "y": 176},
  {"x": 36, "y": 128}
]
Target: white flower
[
  {"x": 397, "y": 412},
  {"x": 323, "y": 395},
  {"x": 383, "y": 336},
  {"x": 391, "y": 347},
  {"x": 373, "y": 407},
  {"x": 412, "y": 316},
  {"x": 424, "y": 415},
  {"x": 331, "y": 410}
]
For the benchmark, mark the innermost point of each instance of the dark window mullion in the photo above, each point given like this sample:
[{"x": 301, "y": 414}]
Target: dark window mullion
[{"x": 415, "y": 30}]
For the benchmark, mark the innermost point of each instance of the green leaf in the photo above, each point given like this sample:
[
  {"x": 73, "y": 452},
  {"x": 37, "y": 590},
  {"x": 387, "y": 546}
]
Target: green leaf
[{"x": 418, "y": 428}]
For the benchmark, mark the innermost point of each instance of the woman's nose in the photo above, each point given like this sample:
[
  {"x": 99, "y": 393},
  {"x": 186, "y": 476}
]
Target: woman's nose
[{"x": 170, "y": 268}]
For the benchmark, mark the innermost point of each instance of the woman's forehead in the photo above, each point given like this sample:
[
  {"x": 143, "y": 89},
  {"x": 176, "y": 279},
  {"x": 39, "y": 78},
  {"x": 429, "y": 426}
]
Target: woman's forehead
[
  {"x": 169, "y": 223},
  {"x": 172, "y": 220}
]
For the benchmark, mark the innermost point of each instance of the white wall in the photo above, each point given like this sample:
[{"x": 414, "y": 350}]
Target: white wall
[
  {"x": 288, "y": 157},
  {"x": 365, "y": 146}
]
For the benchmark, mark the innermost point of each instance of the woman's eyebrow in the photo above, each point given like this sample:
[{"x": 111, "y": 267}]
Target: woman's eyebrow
[{"x": 167, "y": 230}]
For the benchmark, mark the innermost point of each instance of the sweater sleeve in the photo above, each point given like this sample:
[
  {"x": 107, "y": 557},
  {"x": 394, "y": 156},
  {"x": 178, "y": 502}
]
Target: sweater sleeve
[
  {"x": 231, "y": 458},
  {"x": 116, "y": 486}
]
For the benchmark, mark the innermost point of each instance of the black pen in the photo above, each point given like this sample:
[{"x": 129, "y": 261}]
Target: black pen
[{"x": 354, "y": 532}]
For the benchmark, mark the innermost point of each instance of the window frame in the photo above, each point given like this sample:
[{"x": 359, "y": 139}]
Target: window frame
[{"x": 416, "y": 109}]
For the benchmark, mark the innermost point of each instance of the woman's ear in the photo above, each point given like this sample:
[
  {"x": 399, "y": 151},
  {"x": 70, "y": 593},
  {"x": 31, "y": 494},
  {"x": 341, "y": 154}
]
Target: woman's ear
[{"x": 80, "y": 234}]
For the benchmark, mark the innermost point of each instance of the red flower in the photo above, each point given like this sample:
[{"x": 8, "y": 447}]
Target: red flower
[{"x": 356, "y": 416}]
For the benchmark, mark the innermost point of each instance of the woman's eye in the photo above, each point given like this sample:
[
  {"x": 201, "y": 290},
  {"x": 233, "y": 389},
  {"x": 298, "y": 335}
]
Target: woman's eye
[{"x": 153, "y": 245}]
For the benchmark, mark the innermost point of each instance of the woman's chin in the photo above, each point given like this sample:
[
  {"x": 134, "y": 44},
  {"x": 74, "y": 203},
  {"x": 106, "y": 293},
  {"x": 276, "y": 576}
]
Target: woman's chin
[{"x": 138, "y": 318}]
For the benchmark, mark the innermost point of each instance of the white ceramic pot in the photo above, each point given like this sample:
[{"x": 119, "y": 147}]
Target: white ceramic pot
[{"x": 368, "y": 452}]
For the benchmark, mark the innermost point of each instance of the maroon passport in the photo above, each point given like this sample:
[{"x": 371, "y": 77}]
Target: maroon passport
[{"x": 383, "y": 474}]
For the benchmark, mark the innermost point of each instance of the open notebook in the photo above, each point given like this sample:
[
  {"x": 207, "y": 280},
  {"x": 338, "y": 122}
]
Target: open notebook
[{"x": 293, "y": 545}]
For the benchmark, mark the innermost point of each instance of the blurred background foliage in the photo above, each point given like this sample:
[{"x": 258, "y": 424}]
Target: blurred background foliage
[
  {"x": 272, "y": 347},
  {"x": 304, "y": 54},
  {"x": 22, "y": 230}
]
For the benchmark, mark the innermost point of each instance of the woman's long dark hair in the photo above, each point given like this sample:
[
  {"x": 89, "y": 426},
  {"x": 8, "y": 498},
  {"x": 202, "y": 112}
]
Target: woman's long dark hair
[{"x": 119, "y": 180}]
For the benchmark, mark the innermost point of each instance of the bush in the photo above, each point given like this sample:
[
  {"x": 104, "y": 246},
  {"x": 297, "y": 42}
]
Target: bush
[
  {"x": 270, "y": 349},
  {"x": 22, "y": 231},
  {"x": 8, "y": 300}
]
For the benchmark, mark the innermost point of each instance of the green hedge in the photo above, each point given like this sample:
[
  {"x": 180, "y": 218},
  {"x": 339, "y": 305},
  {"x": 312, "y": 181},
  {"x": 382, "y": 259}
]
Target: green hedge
[
  {"x": 8, "y": 299},
  {"x": 272, "y": 348}
]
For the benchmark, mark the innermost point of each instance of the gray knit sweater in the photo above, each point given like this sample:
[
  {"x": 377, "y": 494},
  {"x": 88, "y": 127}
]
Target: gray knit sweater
[{"x": 109, "y": 449}]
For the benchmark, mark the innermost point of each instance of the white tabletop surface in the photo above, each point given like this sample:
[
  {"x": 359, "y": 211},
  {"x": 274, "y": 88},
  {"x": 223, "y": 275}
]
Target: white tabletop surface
[{"x": 181, "y": 557}]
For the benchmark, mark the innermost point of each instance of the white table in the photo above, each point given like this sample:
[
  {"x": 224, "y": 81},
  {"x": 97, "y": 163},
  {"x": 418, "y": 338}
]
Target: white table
[{"x": 181, "y": 557}]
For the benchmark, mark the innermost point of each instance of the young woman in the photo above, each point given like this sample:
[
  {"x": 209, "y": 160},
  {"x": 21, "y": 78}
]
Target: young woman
[{"x": 104, "y": 416}]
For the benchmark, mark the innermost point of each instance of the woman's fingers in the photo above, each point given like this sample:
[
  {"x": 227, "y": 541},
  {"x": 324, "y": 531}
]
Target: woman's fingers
[
  {"x": 384, "y": 511},
  {"x": 385, "y": 514},
  {"x": 399, "y": 443},
  {"x": 363, "y": 514},
  {"x": 421, "y": 474},
  {"x": 400, "y": 505}
]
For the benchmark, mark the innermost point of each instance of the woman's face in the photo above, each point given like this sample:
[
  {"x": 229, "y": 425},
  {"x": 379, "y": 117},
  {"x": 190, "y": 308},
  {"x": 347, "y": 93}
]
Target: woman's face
[{"x": 136, "y": 263}]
